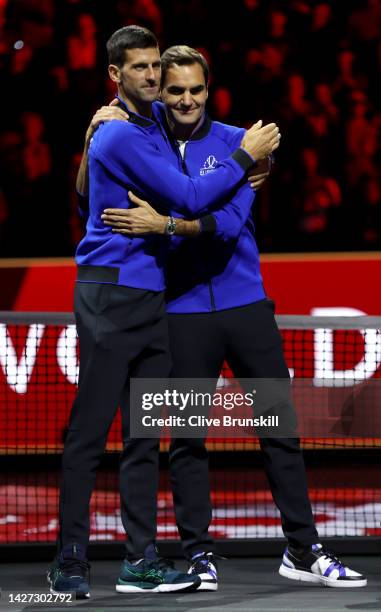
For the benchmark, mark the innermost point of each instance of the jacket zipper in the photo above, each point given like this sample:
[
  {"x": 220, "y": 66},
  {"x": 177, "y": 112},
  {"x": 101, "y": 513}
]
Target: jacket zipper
[{"x": 185, "y": 171}]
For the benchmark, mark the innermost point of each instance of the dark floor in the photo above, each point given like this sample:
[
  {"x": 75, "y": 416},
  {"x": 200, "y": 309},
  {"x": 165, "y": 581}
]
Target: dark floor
[{"x": 245, "y": 585}]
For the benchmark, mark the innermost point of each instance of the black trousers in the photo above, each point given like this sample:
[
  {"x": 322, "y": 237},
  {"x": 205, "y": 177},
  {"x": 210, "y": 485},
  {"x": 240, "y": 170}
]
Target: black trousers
[
  {"x": 249, "y": 340},
  {"x": 123, "y": 333}
]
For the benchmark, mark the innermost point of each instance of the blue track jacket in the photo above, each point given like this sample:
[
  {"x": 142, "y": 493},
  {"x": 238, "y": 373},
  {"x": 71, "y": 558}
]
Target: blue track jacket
[
  {"x": 220, "y": 268},
  {"x": 139, "y": 156}
]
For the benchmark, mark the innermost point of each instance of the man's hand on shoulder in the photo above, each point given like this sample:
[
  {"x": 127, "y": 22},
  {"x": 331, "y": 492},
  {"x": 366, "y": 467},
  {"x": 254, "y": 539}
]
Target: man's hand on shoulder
[{"x": 104, "y": 114}]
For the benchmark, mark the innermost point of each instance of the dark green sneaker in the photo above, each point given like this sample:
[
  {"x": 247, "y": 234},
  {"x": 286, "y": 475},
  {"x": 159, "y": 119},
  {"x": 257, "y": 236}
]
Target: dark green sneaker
[
  {"x": 69, "y": 572},
  {"x": 154, "y": 576}
]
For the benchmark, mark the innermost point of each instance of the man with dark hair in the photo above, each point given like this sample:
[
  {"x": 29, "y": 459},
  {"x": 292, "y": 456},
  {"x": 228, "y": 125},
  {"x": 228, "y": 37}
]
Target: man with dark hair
[
  {"x": 131, "y": 37},
  {"x": 120, "y": 314},
  {"x": 218, "y": 310}
]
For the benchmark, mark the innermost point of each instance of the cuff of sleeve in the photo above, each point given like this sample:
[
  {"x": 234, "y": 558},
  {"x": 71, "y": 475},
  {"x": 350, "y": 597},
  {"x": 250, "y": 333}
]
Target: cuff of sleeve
[
  {"x": 244, "y": 159},
  {"x": 208, "y": 224}
]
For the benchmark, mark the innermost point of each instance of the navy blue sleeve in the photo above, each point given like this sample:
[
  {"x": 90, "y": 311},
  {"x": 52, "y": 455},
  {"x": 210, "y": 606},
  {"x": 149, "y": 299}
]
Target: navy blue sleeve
[
  {"x": 227, "y": 222},
  {"x": 131, "y": 155},
  {"x": 231, "y": 218}
]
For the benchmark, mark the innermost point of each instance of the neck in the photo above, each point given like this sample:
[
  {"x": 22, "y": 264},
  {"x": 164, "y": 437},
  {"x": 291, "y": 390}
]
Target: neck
[
  {"x": 183, "y": 132},
  {"x": 137, "y": 106}
]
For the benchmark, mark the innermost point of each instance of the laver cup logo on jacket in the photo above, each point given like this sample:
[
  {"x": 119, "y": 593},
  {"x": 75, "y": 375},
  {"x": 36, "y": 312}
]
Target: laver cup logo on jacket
[{"x": 209, "y": 165}]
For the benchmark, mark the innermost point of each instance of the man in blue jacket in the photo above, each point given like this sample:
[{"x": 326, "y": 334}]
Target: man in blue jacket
[
  {"x": 218, "y": 310},
  {"x": 120, "y": 314}
]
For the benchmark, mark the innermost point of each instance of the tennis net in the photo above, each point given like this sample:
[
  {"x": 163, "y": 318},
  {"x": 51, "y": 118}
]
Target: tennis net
[{"x": 38, "y": 374}]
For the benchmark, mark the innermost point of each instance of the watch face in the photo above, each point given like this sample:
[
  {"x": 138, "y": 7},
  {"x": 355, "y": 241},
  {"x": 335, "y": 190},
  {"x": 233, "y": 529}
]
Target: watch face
[{"x": 171, "y": 226}]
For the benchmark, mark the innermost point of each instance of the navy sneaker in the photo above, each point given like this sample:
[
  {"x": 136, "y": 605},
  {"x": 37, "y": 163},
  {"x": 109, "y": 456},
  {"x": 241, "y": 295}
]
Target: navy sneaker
[
  {"x": 69, "y": 572},
  {"x": 154, "y": 576},
  {"x": 315, "y": 564},
  {"x": 204, "y": 565}
]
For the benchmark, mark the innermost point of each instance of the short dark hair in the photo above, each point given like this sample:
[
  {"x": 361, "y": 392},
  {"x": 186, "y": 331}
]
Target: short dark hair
[
  {"x": 129, "y": 37},
  {"x": 182, "y": 55}
]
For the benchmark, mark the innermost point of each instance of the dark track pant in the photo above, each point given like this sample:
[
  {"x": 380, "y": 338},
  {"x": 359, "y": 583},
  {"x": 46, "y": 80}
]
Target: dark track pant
[
  {"x": 123, "y": 333},
  {"x": 249, "y": 340}
]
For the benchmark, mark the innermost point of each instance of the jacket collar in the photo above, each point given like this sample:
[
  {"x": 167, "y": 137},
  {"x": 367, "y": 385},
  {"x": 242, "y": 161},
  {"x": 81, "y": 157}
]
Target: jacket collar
[
  {"x": 203, "y": 130},
  {"x": 134, "y": 117}
]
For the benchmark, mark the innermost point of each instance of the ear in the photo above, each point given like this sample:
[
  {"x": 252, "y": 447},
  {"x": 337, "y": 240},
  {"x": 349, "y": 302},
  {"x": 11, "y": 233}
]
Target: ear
[
  {"x": 114, "y": 73},
  {"x": 207, "y": 92}
]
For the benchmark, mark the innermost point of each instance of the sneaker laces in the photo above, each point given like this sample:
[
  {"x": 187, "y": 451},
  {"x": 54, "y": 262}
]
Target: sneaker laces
[
  {"x": 162, "y": 564},
  {"x": 203, "y": 562},
  {"x": 329, "y": 554}
]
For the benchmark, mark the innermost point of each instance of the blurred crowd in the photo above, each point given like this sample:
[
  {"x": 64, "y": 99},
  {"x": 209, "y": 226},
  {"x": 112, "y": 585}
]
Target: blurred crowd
[{"x": 311, "y": 66}]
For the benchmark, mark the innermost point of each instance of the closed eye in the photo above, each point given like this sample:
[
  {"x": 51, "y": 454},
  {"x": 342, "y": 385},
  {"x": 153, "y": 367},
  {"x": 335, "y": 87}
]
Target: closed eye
[
  {"x": 197, "y": 90},
  {"x": 176, "y": 91}
]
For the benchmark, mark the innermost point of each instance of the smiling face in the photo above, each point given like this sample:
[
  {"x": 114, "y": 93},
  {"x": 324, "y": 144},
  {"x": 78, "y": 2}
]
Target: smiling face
[
  {"x": 184, "y": 93},
  {"x": 139, "y": 78}
]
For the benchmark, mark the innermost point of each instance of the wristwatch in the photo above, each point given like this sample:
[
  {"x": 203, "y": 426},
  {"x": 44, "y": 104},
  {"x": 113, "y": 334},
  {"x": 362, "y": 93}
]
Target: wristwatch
[{"x": 171, "y": 226}]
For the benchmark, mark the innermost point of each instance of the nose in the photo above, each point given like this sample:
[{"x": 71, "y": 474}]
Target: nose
[
  {"x": 187, "y": 98},
  {"x": 150, "y": 74}
]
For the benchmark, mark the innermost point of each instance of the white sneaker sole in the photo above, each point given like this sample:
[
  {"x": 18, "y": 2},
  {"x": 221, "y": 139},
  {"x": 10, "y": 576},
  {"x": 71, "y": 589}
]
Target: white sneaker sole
[
  {"x": 294, "y": 574},
  {"x": 207, "y": 583},
  {"x": 160, "y": 588},
  {"x": 208, "y": 586}
]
